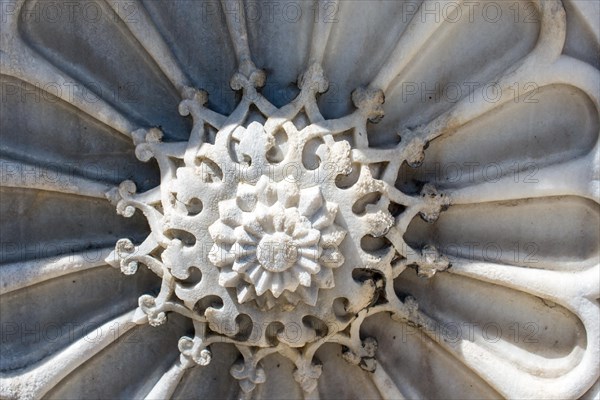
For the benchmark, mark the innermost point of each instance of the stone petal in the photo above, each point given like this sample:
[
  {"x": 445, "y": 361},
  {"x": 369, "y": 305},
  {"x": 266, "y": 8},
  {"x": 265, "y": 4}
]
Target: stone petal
[
  {"x": 255, "y": 273},
  {"x": 312, "y": 253},
  {"x": 264, "y": 282},
  {"x": 288, "y": 193},
  {"x": 230, "y": 213},
  {"x": 277, "y": 286},
  {"x": 325, "y": 216},
  {"x": 245, "y": 293},
  {"x": 302, "y": 227},
  {"x": 266, "y": 191},
  {"x": 221, "y": 233},
  {"x": 262, "y": 214},
  {"x": 262, "y": 183},
  {"x": 304, "y": 278},
  {"x": 311, "y": 266},
  {"x": 266, "y": 301},
  {"x": 310, "y": 201},
  {"x": 229, "y": 279},
  {"x": 220, "y": 256},
  {"x": 242, "y": 236},
  {"x": 291, "y": 297},
  {"x": 290, "y": 280},
  {"x": 331, "y": 257},
  {"x": 278, "y": 213},
  {"x": 246, "y": 197},
  {"x": 243, "y": 251},
  {"x": 306, "y": 238},
  {"x": 253, "y": 227},
  {"x": 244, "y": 265},
  {"x": 292, "y": 216},
  {"x": 333, "y": 235}
]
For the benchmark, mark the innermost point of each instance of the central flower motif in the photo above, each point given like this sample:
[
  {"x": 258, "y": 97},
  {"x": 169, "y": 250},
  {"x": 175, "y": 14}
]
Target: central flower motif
[
  {"x": 277, "y": 252},
  {"x": 276, "y": 243}
]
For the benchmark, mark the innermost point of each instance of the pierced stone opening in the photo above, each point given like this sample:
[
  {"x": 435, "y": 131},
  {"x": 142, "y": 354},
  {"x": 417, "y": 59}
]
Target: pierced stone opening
[
  {"x": 177, "y": 162},
  {"x": 244, "y": 327},
  {"x": 317, "y": 325},
  {"x": 194, "y": 206},
  {"x": 359, "y": 207},
  {"x": 273, "y": 331},
  {"x": 364, "y": 274},
  {"x": 208, "y": 170},
  {"x": 301, "y": 120},
  {"x": 347, "y": 181},
  {"x": 340, "y": 307},
  {"x": 409, "y": 180},
  {"x": 396, "y": 209},
  {"x": 185, "y": 237},
  {"x": 276, "y": 153},
  {"x": 211, "y": 133},
  {"x": 254, "y": 115},
  {"x": 193, "y": 279},
  {"x": 373, "y": 244},
  {"x": 347, "y": 136},
  {"x": 378, "y": 169},
  {"x": 310, "y": 159},
  {"x": 208, "y": 302}
]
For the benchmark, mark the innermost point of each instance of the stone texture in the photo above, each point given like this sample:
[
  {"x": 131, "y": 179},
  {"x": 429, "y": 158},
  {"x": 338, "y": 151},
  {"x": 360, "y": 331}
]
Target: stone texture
[{"x": 342, "y": 199}]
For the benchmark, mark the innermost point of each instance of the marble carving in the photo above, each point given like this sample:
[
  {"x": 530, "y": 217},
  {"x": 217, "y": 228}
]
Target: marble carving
[
  {"x": 270, "y": 225},
  {"x": 280, "y": 232}
]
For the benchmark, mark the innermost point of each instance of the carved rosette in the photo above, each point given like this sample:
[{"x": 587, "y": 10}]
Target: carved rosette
[
  {"x": 276, "y": 230},
  {"x": 276, "y": 244},
  {"x": 249, "y": 244}
]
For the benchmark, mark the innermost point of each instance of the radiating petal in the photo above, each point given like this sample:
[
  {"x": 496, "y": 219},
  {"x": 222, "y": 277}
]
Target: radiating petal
[
  {"x": 230, "y": 213},
  {"x": 333, "y": 235},
  {"x": 287, "y": 193},
  {"x": 325, "y": 216},
  {"x": 264, "y": 282},
  {"x": 310, "y": 201},
  {"x": 229, "y": 279},
  {"x": 222, "y": 233},
  {"x": 310, "y": 265}
]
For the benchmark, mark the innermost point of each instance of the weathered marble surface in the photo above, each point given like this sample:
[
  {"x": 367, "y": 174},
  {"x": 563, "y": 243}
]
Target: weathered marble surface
[{"x": 315, "y": 199}]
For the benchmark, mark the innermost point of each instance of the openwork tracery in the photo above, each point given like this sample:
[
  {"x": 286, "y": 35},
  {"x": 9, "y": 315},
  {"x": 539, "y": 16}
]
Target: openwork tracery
[
  {"x": 267, "y": 237},
  {"x": 283, "y": 219}
]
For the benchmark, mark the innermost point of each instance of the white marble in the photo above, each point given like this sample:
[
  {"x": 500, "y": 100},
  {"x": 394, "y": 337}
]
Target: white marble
[{"x": 314, "y": 199}]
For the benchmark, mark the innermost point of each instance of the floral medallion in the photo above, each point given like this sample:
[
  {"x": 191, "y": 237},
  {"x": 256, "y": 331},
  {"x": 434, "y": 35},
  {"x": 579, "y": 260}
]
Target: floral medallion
[
  {"x": 285, "y": 227},
  {"x": 261, "y": 251}
]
